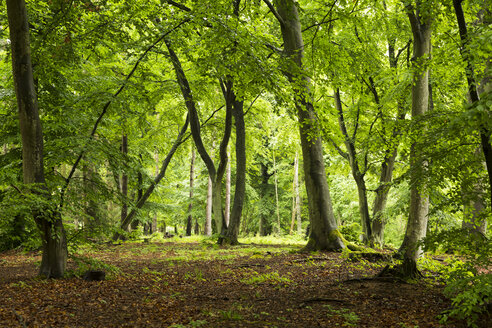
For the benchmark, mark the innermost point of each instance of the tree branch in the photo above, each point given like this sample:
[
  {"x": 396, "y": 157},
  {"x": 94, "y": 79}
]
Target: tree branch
[
  {"x": 105, "y": 109},
  {"x": 274, "y": 12}
]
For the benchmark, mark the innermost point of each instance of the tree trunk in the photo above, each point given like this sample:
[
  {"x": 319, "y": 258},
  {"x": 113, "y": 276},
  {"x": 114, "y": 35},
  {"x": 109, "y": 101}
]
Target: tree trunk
[
  {"x": 124, "y": 181},
  {"x": 472, "y": 89},
  {"x": 162, "y": 172},
  {"x": 207, "y": 230},
  {"x": 419, "y": 200},
  {"x": 277, "y": 211},
  {"x": 295, "y": 195},
  {"x": 189, "y": 220},
  {"x": 227, "y": 205},
  {"x": 387, "y": 167},
  {"x": 91, "y": 208},
  {"x": 216, "y": 174},
  {"x": 54, "y": 258},
  {"x": 385, "y": 177},
  {"x": 356, "y": 172},
  {"x": 239, "y": 191},
  {"x": 324, "y": 234},
  {"x": 265, "y": 176}
]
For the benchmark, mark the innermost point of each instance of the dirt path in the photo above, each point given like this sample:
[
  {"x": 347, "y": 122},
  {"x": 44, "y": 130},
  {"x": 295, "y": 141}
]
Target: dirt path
[{"x": 200, "y": 285}]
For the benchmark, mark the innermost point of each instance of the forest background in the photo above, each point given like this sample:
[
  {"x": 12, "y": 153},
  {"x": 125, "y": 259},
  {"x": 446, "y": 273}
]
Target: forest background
[{"x": 398, "y": 92}]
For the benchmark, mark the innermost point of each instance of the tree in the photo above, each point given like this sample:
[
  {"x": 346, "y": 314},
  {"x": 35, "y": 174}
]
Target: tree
[
  {"x": 49, "y": 222},
  {"x": 324, "y": 234},
  {"x": 216, "y": 174},
  {"x": 420, "y": 18}
]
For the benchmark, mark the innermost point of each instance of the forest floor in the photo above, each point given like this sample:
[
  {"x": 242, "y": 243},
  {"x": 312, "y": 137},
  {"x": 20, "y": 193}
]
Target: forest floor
[{"x": 179, "y": 284}]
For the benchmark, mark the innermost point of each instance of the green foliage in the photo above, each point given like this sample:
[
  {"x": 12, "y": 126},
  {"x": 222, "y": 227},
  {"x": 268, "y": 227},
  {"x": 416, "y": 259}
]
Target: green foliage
[
  {"x": 466, "y": 284},
  {"x": 84, "y": 263},
  {"x": 351, "y": 232}
]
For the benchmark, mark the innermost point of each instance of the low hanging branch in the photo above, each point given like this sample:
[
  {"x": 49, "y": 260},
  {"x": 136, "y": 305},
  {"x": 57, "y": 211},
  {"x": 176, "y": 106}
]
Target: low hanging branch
[
  {"x": 162, "y": 172},
  {"x": 105, "y": 109}
]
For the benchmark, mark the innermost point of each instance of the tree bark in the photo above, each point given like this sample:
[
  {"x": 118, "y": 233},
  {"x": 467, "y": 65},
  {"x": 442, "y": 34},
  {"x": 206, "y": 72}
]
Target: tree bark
[
  {"x": 324, "y": 234},
  {"x": 216, "y": 174},
  {"x": 295, "y": 195},
  {"x": 54, "y": 258},
  {"x": 189, "y": 220},
  {"x": 388, "y": 164},
  {"x": 227, "y": 204},
  {"x": 357, "y": 174},
  {"x": 240, "y": 188},
  {"x": 419, "y": 201},
  {"x": 124, "y": 182},
  {"x": 207, "y": 230},
  {"x": 472, "y": 90}
]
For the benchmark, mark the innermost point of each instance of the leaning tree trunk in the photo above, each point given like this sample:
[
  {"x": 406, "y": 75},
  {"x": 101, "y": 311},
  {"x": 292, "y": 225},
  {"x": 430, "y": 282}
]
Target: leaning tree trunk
[
  {"x": 145, "y": 196},
  {"x": 50, "y": 224},
  {"x": 216, "y": 174},
  {"x": 419, "y": 200},
  {"x": 473, "y": 91},
  {"x": 324, "y": 234}
]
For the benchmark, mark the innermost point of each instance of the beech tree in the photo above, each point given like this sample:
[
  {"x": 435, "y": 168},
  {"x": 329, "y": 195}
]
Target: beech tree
[
  {"x": 323, "y": 234},
  {"x": 420, "y": 17},
  {"x": 49, "y": 221}
]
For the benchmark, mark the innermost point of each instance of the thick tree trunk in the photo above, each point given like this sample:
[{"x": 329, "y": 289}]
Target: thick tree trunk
[
  {"x": 55, "y": 252},
  {"x": 356, "y": 172},
  {"x": 240, "y": 188},
  {"x": 189, "y": 220},
  {"x": 419, "y": 200},
  {"x": 324, "y": 234},
  {"x": 207, "y": 230}
]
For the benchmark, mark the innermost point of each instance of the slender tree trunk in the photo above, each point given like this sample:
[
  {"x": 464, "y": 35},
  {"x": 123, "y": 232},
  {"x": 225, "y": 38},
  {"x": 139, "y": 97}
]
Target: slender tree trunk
[
  {"x": 54, "y": 258},
  {"x": 388, "y": 164},
  {"x": 91, "y": 208},
  {"x": 473, "y": 91},
  {"x": 124, "y": 181},
  {"x": 265, "y": 176},
  {"x": 208, "y": 217},
  {"x": 419, "y": 200},
  {"x": 275, "y": 181},
  {"x": 216, "y": 174},
  {"x": 356, "y": 172},
  {"x": 162, "y": 172},
  {"x": 296, "y": 199},
  {"x": 227, "y": 205},
  {"x": 295, "y": 192},
  {"x": 189, "y": 221},
  {"x": 324, "y": 234}
]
